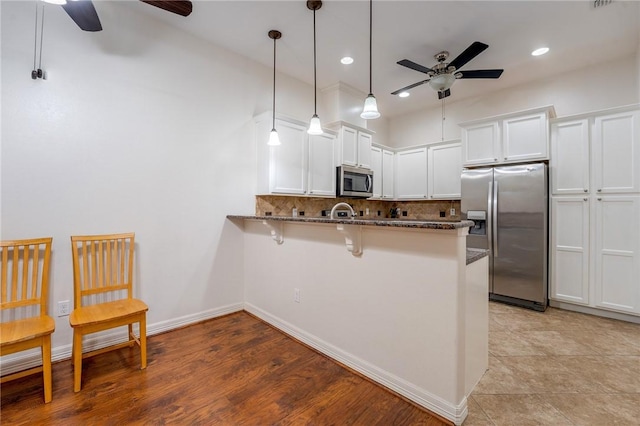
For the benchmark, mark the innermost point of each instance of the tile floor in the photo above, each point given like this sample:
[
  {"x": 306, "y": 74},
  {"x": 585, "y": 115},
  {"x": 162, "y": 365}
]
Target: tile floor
[{"x": 558, "y": 368}]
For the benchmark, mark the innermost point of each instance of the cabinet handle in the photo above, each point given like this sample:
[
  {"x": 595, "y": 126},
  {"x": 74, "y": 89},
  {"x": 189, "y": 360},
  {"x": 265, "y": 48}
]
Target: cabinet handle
[
  {"x": 599, "y": 199},
  {"x": 586, "y": 190},
  {"x": 586, "y": 199},
  {"x": 505, "y": 158},
  {"x": 495, "y": 159},
  {"x": 599, "y": 190}
]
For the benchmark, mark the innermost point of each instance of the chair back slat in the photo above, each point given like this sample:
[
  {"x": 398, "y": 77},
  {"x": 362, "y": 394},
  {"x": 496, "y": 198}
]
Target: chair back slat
[
  {"x": 102, "y": 267},
  {"x": 25, "y": 277}
]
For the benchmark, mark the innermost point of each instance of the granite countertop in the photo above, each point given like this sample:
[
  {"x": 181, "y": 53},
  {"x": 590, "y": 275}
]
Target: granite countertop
[
  {"x": 398, "y": 223},
  {"x": 474, "y": 254}
]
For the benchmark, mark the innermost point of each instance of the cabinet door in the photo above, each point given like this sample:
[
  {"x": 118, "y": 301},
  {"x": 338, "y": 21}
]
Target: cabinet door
[
  {"x": 617, "y": 257},
  {"x": 287, "y": 169},
  {"x": 322, "y": 171},
  {"x": 570, "y": 249},
  {"x": 481, "y": 144},
  {"x": 411, "y": 174},
  {"x": 349, "y": 146},
  {"x": 376, "y": 167},
  {"x": 388, "y": 174},
  {"x": 616, "y": 152},
  {"x": 525, "y": 138},
  {"x": 445, "y": 170},
  {"x": 570, "y": 157},
  {"x": 364, "y": 150}
]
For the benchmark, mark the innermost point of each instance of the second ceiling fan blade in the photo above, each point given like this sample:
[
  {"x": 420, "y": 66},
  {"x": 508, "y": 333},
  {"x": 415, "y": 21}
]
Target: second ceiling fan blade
[
  {"x": 470, "y": 52},
  {"x": 83, "y": 14},
  {"x": 417, "y": 67},
  {"x": 411, "y": 86},
  {"x": 481, "y": 74},
  {"x": 179, "y": 7}
]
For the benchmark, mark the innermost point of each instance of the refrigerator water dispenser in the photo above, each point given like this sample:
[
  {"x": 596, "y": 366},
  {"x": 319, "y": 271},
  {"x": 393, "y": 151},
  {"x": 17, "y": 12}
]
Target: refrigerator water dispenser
[{"x": 479, "y": 218}]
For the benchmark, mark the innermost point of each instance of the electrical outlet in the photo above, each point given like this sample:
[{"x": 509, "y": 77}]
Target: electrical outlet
[
  {"x": 63, "y": 308},
  {"x": 296, "y": 295},
  {"x": 452, "y": 212}
]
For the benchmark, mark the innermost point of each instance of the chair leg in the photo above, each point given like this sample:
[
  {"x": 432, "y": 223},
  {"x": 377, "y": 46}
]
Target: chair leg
[
  {"x": 46, "y": 367},
  {"x": 143, "y": 341},
  {"x": 131, "y": 339},
  {"x": 77, "y": 360}
]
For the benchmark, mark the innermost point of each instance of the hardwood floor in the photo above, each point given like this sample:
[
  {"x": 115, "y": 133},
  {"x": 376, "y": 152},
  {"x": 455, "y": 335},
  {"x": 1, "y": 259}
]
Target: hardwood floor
[{"x": 229, "y": 371}]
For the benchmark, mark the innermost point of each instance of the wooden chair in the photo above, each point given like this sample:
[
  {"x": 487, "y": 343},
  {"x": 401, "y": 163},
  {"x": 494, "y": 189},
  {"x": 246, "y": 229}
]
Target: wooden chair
[
  {"x": 23, "y": 306},
  {"x": 103, "y": 295}
]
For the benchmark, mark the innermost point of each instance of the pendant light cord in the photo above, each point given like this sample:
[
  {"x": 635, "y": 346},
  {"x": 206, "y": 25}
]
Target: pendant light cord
[
  {"x": 442, "y": 137},
  {"x": 35, "y": 39},
  {"x": 315, "y": 86},
  {"x": 274, "y": 84},
  {"x": 370, "y": 46}
]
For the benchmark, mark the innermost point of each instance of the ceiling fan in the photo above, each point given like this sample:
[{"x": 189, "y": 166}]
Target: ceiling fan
[
  {"x": 444, "y": 74},
  {"x": 85, "y": 16}
]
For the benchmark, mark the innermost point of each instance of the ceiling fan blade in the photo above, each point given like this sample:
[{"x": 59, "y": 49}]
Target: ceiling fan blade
[
  {"x": 83, "y": 14},
  {"x": 481, "y": 74},
  {"x": 471, "y": 52},
  {"x": 444, "y": 93},
  {"x": 417, "y": 67},
  {"x": 179, "y": 7},
  {"x": 411, "y": 86}
]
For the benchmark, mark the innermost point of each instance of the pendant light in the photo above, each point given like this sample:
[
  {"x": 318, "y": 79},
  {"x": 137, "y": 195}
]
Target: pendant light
[
  {"x": 315, "y": 128},
  {"x": 274, "y": 139},
  {"x": 370, "y": 110}
]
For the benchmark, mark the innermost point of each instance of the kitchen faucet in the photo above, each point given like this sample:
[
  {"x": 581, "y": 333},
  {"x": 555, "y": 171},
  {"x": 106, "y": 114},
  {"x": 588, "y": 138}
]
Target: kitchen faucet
[{"x": 342, "y": 204}]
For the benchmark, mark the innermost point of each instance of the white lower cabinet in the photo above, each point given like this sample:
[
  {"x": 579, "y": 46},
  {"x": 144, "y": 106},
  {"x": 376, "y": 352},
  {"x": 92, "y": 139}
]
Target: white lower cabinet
[
  {"x": 570, "y": 249},
  {"x": 411, "y": 174},
  {"x": 595, "y": 251},
  {"x": 617, "y": 253}
]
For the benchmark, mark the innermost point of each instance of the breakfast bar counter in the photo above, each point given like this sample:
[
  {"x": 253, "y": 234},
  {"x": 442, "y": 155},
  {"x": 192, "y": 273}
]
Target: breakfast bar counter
[{"x": 405, "y": 304}]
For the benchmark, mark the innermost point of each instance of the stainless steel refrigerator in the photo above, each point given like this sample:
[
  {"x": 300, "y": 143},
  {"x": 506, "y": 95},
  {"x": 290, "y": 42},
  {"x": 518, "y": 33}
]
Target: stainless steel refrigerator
[{"x": 509, "y": 206}]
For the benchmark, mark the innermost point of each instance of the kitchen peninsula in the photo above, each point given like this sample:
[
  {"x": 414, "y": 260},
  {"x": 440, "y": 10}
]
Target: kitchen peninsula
[{"x": 401, "y": 301}]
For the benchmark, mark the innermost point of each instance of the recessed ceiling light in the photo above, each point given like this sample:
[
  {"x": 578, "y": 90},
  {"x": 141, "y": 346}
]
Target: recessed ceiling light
[
  {"x": 540, "y": 51},
  {"x": 403, "y": 94},
  {"x": 347, "y": 60}
]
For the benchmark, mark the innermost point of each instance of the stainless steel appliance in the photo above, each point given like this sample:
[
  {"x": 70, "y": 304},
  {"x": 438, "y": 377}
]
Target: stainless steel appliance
[
  {"x": 354, "y": 182},
  {"x": 509, "y": 206}
]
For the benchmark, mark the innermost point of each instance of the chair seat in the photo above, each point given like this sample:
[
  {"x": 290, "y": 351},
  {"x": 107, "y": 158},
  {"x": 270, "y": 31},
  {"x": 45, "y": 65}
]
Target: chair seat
[
  {"x": 105, "y": 312},
  {"x": 26, "y": 329}
]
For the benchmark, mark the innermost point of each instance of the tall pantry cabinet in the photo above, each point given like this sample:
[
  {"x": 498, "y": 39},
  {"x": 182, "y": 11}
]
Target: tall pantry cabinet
[{"x": 595, "y": 210}]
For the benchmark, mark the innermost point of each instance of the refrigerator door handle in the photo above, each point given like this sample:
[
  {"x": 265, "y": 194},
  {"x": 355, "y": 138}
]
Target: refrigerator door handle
[
  {"x": 490, "y": 218},
  {"x": 494, "y": 218}
]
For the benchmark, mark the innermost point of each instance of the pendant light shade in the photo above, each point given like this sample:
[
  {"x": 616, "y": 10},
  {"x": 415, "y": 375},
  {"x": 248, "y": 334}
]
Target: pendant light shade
[
  {"x": 315, "y": 128},
  {"x": 370, "y": 110},
  {"x": 274, "y": 139}
]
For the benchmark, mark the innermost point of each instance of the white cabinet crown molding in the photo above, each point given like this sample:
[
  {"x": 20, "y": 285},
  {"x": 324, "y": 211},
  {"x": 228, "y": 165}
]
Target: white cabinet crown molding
[{"x": 549, "y": 109}]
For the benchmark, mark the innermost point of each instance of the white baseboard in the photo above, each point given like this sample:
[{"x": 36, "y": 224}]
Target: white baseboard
[
  {"x": 431, "y": 402},
  {"x": 32, "y": 358},
  {"x": 595, "y": 311}
]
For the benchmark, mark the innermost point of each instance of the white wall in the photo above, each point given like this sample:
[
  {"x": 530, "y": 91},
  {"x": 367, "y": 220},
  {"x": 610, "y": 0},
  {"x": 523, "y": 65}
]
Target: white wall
[
  {"x": 139, "y": 128},
  {"x": 587, "y": 89}
]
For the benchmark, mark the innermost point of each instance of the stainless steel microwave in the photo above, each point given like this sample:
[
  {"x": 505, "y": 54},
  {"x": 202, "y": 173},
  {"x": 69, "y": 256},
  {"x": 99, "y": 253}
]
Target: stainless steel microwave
[{"x": 354, "y": 182}]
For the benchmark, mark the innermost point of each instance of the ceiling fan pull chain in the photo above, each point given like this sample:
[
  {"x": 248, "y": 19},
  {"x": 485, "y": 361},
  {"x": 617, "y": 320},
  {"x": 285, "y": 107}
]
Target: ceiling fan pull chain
[{"x": 40, "y": 72}]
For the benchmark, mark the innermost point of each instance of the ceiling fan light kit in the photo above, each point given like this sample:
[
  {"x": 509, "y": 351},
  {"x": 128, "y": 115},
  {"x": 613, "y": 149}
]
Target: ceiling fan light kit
[
  {"x": 370, "y": 110},
  {"x": 274, "y": 139},
  {"x": 315, "y": 128}
]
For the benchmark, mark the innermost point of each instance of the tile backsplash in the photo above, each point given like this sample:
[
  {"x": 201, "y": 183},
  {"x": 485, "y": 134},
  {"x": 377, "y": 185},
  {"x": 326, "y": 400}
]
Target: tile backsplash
[{"x": 312, "y": 207}]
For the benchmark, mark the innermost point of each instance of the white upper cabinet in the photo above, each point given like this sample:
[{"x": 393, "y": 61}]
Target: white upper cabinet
[
  {"x": 445, "y": 170},
  {"x": 569, "y": 164},
  {"x": 322, "y": 171},
  {"x": 616, "y": 152},
  {"x": 354, "y": 144},
  {"x": 388, "y": 174},
  {"x": 300, "y": 165},
  {"x": 509, "y": 138},
  {"x": 376, "y": 166},
  {"x": 411, "y": 174}
]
